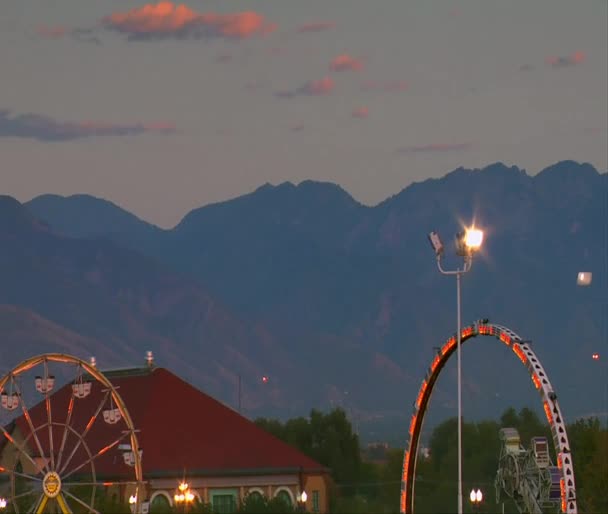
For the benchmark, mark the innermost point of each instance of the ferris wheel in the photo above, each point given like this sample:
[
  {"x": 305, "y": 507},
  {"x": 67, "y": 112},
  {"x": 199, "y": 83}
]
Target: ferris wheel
[{"x": 65, "y": 448}]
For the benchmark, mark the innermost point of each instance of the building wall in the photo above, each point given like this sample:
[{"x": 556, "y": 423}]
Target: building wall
[
  {"x": 205, "y": 488},
  {"x": 316, "y": 486}
]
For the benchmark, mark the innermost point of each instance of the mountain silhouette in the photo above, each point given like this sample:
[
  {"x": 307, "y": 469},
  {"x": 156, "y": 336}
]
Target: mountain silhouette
[{"x": 350, "y": 294}]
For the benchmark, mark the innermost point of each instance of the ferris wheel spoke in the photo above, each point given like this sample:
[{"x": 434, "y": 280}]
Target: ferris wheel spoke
[
  {"x": 19, "y": 447},
  {"x": 26, "y": 415},
  {"x": 47, "y": 401},
  {"x": 18, "y": 474},
  {"x": 78, "y": 500},
  {"x": 97, "y": 455},
  {"x": 86, "y": 431},
  {"x": 65, "y": 431},
  {"x": 89, "y": 484},
  {"x": 23, "y": 495}
]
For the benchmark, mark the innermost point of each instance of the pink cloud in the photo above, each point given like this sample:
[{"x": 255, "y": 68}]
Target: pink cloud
[
  {"x": 51, "y": 32},
  {"x": 319, "y": 87},
  {"x": 361, "y": 112},
  {"x": 45, "y": 128},
  {"x": 386, "y": 86},
  {"x": 345, "y": 62},
  {"x": 165, "y": 20},
  {"x": 437, "y": 148},
  {"x": 567, "y": 60},
  {"x": 317, "y": 26}
]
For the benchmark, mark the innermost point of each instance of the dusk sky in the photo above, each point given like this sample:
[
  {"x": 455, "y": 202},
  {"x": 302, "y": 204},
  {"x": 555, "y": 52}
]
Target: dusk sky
[{"x": 162, "y": 108}]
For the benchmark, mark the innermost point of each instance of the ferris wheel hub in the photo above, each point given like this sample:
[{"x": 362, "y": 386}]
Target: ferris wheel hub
[{"x": 51, "y": 484}]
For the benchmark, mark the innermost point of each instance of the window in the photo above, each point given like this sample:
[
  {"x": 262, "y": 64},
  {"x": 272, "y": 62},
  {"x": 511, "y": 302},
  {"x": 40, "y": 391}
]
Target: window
[
  {"x": 284, "y": 496},
  {"x": 160, "y": 505},
  {"x": 315, "y": 501},
  {"x": 255, "y": 497},
  {"x": 223, "y": 501}
]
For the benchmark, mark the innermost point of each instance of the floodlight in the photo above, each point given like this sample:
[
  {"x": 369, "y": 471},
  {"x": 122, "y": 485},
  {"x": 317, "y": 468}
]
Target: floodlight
[
  {"x": 436, "y": 243},
  {"x": 473, "y": 237},
  {"x": 468, "y": 242},
  {"x": 584, "y": 278}
]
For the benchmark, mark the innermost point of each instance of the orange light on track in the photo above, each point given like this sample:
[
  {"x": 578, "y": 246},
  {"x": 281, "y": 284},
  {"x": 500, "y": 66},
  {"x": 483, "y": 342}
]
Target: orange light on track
[{"x": 518, "y": 351}]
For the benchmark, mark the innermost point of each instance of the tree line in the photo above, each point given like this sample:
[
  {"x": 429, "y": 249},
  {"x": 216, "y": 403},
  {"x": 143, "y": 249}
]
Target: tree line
[{"x": 360, "y": 486}]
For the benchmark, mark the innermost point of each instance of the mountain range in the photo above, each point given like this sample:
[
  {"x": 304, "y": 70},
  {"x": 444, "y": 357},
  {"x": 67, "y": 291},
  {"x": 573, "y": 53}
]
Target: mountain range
[{"x": 335, "y": 302}]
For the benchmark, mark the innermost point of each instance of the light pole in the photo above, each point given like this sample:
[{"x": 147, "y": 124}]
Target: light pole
[{"x": 467, "y": 243}]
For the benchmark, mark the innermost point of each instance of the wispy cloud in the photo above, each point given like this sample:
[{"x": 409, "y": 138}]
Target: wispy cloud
[
  {"x": 386, "y": 86},
  {"x": 345, "y": 62},
  {"x": 360, "y": 112},
  {"x": 319, "y": 87},
  {"x": 60, "y": 32},
  {"x": 436, "y": 148},
  {"x": 566, "y": 60},
  {"x": 526, "y": 67},
  {"x": 166, "y": 20},
  {"x": 55, "y": 32},
  {"x": 223, "y": 58},
  {"x": 45, "y": 128},
  {"x": 316, "y": 26}
]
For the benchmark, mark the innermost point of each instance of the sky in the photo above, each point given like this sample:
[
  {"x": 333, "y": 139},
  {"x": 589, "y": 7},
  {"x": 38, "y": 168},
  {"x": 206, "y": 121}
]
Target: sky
[{"x": 162, "y": 107}]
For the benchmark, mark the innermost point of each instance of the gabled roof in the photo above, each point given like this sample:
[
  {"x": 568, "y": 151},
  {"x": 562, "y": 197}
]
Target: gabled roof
[{"x": 181, "y": 429}]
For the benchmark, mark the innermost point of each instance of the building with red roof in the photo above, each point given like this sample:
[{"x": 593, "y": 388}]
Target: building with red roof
[{"x": 184, "y": 435}]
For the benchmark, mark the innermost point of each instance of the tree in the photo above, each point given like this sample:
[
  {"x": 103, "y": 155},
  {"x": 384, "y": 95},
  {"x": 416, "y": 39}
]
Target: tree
[
  {"x": 327, "y": 438},
  {"x": 589, "y": 447}
]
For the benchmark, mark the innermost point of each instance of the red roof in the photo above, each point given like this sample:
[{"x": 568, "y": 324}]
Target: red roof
[{"x": 181, "y": 429}]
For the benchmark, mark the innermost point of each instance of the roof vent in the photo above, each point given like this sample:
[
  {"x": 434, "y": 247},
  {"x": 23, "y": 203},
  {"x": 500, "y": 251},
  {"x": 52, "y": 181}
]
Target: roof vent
[{"x": 149, "y": 359}]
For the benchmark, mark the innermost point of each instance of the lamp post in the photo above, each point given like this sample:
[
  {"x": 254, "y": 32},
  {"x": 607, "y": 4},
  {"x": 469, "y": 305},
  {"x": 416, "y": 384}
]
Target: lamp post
[
  {"x": 476, "y": 498},
  {"x": 132, "y": 502},
  {"x": 467, "y": 243},
  {"x": 302, "y": 501},
  {"x": 183, "y": 496}
]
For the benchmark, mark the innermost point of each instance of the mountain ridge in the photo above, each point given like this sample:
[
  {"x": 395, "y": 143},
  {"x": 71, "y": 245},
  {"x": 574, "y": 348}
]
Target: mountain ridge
[{"x": 324, "y": 276}]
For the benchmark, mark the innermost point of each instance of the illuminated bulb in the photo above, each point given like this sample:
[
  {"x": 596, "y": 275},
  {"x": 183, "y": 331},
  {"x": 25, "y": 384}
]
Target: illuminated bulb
[
  {"x": 584, "y": 278},
  {"x": 473, "y": 238}
]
